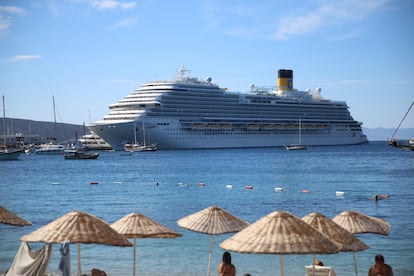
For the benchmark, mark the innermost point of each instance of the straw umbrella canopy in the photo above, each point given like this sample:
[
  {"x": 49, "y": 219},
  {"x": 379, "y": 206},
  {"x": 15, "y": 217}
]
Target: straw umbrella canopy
[
  {"x": 333, "y": 231},
  {"x": 77, "y": 227},
  {"x": 213, "y": 221},
  {"x": 136, "y": 225},
  {"x": 280, "y": 233},
  {"x": 8, "y": 217},
  {"x": 356, "y": 223}
]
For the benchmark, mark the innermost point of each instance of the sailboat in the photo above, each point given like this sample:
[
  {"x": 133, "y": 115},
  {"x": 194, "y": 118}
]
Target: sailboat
[
  {"x": 140, "y": 147},
  {"x": 403, "y": 145},
  {"x": 298, "y": 146},
  {"x": 51, "y": 148},
  {"x": 6, "y": 153}
]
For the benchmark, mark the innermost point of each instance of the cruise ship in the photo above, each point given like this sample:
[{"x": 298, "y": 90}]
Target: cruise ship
[{"x": 187, "y": 113}]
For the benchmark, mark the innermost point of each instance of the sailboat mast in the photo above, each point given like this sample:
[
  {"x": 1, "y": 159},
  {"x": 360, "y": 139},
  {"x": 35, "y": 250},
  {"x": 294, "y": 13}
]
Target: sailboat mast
[
  {"x": 398, "y": 127},
  {"x": 4, "y": 122},
  {"x": 54, "y": 116},
  {"x": 135, "y": 133}
]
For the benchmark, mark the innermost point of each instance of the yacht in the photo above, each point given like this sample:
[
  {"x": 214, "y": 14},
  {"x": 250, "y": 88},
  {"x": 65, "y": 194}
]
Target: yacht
[
  {"x": 187, "y": 112},
  {"x": 94, "y": 142}
]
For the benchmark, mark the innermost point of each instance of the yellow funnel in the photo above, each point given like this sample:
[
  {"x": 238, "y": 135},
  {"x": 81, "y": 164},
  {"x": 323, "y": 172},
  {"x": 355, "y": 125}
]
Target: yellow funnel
[{"x": 285, "y": 80}]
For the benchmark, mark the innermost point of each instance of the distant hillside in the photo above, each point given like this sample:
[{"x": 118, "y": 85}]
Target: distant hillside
[
  {"x": 384, "y": 134},
  {"x": 63, "y": 133}
]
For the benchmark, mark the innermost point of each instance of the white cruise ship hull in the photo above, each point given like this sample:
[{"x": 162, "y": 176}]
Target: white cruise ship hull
[{"x": 170, "y": 134}]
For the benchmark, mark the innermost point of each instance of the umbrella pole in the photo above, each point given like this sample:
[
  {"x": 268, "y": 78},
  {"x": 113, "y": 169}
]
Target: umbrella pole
[
  {"x": 313, "y": 264},
  {"x": 135, "y": 253},
  {"x": 355, "y": 264},
  {"x": 79, "y": 264},
  {"x": 211, "y": 254},
  {"x": 282, "y": 273}
]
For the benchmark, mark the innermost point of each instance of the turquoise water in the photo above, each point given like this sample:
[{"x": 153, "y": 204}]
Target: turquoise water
[{"x": 126, "y": 184}]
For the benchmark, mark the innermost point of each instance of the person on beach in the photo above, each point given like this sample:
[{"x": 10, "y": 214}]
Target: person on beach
[
  {"x": 226, "y": 268},
  {"x": 380, "y": 268},
  {"x": 319, "y": 263}
]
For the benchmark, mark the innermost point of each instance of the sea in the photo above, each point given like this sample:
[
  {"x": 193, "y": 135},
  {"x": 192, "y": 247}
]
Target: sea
[{"x": 43, "y": 188}]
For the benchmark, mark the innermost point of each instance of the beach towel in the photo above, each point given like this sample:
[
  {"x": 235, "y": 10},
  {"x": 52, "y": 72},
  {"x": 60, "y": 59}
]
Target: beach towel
[
  {"x": 64, "y": 264},
  {"x": 30, "y": 262}
]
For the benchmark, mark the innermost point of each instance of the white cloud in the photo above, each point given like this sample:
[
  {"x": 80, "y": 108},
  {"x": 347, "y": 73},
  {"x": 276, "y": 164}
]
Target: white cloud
[
  {"x": 18, "y": 58},
  {"x": 112, "y": 4},
  {"x": 299, "y": 25},
  {"x": 328, "y": 13},
  {"x": 4, "y": 23},
  {"x": 124, "y": 23},
  {"x": 12, "y": 10},
  {"x": 6, "y": 16}
]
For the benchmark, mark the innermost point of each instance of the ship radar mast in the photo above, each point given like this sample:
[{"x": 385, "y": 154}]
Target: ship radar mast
[{"x": 181, "y": 72}]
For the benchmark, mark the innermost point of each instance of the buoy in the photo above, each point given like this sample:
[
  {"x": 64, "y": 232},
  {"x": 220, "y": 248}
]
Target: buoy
[
  {"x": 249, "y": 187},
  {"x": 55, "y": 183},
  {"x": 118, "y": 182},
  {"x": 94, "y": 183},
  {"x": 201, "y": 184},
  {"x": 338, "y": 193},
  {"x": 278, "y": 189},
  {"x": 305, "y": 191},
  {"x": 229, "y": 186}
]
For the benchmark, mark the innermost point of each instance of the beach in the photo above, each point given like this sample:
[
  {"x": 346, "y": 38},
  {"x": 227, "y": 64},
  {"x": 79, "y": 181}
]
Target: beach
[{"x": 43, "y": 188}]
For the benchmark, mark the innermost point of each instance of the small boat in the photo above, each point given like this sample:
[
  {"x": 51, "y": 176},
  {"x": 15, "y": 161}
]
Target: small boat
[
  {"x": 10, "y": 154},
  {"x": 6, "y": 153},
  {"x": 295, "y": 147},
  {"x": 50, "y": 149},
  {"x": 298, "y": 146},
  {"x": 94, "y": 142},
  {"x": 138, "y": 147},
  {"x": 278, "y": 189},
  {"x": 407, "y": 145},
  {"x": 79, "y": 154}
]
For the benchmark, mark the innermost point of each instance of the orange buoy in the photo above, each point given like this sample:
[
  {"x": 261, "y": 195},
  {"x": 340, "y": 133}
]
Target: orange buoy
[
  {"x": 249, "y": 187},
  {"x": 201, "y": 184},
  {"x": 305, "y": 191},
  {"x": 94, "y": 183}
]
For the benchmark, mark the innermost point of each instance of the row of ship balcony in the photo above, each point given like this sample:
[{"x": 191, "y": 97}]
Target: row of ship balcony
[{"x": 251, "y": 126}]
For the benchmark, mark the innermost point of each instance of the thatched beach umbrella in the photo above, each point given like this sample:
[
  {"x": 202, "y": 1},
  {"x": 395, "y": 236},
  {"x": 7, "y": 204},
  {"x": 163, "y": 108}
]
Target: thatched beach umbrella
[
  {"x": 280, "y": 233},
  {"x": 136, "y": 225},
  {"x": 213, "y": 221},
  {"x": 77, "y": 227},
  {"x": 8, "y": 217},
  {"x": 356, "y": 223},
  {"x": 336, "y": 233}
]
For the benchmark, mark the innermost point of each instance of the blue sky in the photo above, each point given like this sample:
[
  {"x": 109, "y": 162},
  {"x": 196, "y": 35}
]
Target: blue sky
[{"x": 90, "y": 53}]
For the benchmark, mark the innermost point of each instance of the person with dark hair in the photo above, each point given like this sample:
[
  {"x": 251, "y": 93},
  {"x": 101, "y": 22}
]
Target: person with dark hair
[
  {"x": 226, "y": 268},
  {"x": 380, "y": 268}
]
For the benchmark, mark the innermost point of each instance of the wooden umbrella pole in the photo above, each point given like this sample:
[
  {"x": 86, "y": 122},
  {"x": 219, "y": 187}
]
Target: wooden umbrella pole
[
  {"x": 135, "y": 253},
  {"x": 355, "y": 264},
  {"x": 313, "y": 264},
  {"x": 79, "y": 264},
  {"x": 210, "y": 256},
  {"x": 282, "y": 269}
]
